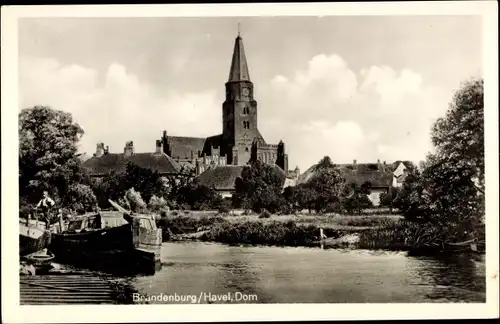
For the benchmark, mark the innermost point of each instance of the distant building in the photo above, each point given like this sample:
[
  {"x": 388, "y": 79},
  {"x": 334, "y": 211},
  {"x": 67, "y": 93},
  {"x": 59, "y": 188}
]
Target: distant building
[
  {"x": 378, "y": 175},
  {"x": 223, "y": 178},
  {"x": 104, "y": 162},
  {"x": 400, "y": 171}
]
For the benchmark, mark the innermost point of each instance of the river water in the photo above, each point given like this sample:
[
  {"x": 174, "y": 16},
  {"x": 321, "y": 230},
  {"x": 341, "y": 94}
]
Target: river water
[{"x": 260, "y": 274}]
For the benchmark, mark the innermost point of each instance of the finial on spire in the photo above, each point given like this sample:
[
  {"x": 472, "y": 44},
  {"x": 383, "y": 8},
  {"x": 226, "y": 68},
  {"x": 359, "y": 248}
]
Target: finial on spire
[{"x": 239, "y": 27}]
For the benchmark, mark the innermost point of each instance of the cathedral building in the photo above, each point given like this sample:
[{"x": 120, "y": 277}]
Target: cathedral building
[
  {"x": 240, "y": 136},
  {"x": 217, "y": 160}
]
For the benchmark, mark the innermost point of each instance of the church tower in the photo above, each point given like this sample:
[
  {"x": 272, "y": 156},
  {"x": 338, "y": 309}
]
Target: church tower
[{"x": 239, "y": 110}]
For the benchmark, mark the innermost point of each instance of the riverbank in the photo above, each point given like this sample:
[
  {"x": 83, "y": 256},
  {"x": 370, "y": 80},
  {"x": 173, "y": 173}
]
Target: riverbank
[
  {"x": 281, "y": 230},
  {"x": 387, "y": 232}
]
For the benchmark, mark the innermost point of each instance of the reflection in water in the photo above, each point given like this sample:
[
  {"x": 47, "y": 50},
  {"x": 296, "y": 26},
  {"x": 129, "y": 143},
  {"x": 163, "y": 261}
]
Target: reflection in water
[
  {"x": 459, "y": 277},
  {"x": 311, "y": 275}
]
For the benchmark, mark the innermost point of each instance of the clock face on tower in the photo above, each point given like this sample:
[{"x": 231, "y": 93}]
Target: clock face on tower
[{"x": 245, "y": 91}]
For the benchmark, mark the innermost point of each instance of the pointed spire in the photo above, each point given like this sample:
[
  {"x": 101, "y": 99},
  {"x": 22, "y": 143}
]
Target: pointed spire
[{"x": 239, "y": 67}]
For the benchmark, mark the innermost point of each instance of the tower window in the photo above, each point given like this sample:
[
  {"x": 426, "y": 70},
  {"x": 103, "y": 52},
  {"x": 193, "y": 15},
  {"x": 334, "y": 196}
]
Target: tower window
[
  {"x": 246, "y": 124},
  {"x": 246, "y": 110},
  {"x": 246, "y": 149}
]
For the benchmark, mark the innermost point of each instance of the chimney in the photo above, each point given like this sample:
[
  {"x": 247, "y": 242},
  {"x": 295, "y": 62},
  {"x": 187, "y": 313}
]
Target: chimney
[
  {"x": 354, "y": 164},
  {"x": 384, "y": 168},
  {"x": 158, "y": 147},
  {"x": 99, "y": 150},
  {"x": 129, "y": 148}
]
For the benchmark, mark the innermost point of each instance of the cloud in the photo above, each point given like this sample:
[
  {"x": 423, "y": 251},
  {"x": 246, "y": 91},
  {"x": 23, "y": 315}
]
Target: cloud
[
  {"x": 328, "y": 109},
  {"x": 117, "y": 107},
  {"x": 324, "y": 109}
]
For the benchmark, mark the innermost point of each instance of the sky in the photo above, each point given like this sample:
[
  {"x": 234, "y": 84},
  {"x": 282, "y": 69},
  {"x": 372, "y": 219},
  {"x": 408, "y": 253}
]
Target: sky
[{"x": 362, "y": 88}]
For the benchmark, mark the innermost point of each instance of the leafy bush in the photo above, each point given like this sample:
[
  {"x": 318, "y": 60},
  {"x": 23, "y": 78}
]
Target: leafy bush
[
  {"x": 355, "y": 198},
  {"x": 182, "y": 224},
  {"x": 135, "y": 201},
  {"x": 224, "y": 209},
  {"x": 265, "y": 214},
  {"x": 267, "y": 233},
  {"x": 158, "y": 204},
  {"x": 404, "y": 235}
]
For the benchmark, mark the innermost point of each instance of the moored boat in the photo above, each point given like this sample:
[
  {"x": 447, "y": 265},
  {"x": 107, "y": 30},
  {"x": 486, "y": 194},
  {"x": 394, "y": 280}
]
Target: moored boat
[
  {"x": 110, "y": 240},
  {"x": 33, "y": 236}
]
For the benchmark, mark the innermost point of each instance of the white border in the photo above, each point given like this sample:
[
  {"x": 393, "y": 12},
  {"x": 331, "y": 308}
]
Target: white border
[{"x": 13, "y": 313}]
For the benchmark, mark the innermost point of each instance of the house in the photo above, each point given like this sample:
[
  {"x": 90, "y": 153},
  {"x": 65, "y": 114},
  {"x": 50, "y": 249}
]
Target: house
[
  {"x": 400, "y": 171},
  {"x": 223, "y": 178},
  {"x": 378, "y": 175},
  {"x": 104, "y": 162}
]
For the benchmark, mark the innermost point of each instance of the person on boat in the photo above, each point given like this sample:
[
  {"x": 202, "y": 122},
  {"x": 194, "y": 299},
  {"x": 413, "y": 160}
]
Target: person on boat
[{"x": 46, "y": 204}]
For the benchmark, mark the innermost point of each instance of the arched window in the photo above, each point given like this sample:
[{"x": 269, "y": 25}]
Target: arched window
[
  {"x": 246, "y": 149},
  {"x": 246, "y": 124}
]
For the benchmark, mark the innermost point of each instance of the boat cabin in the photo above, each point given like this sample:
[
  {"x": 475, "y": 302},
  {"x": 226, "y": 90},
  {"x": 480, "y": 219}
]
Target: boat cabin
[{"x": 108, "y": 219}]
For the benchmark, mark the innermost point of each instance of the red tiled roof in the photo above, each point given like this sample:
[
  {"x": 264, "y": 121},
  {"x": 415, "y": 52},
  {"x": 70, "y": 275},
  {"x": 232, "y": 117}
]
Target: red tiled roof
[
  {"x": 223, "y": 177},
  {"x": 159, "y": 162},
  {"x": 365, "y": 172}
]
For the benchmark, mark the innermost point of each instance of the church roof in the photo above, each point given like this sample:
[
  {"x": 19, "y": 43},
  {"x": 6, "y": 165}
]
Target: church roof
[
  {"x": 182, "y": 147},
  {"x": 215, "y": 141},
  {"x": 160, "y": 162},
  {"x": 239, "y": 66}
]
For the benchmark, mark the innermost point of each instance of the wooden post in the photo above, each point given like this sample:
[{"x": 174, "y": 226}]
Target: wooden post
[{"x": 60, "y": 223}]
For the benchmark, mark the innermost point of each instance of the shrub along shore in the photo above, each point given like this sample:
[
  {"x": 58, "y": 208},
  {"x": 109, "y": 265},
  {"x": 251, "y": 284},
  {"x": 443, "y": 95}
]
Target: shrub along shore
[{"x": 388, "y": 232}]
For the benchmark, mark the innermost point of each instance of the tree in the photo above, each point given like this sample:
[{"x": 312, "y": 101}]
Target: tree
[
  {"x": 147, "y": 182},
  {"x": 451, "y": 196},
  {"x": 453, "y": 177},
  {"x": 325, "y": 163},
  {"x": 47, "y": 153},
  {"x": 449, "y": 192},
  {"x": 199, "y": 197},
  {"x": 387, "y": 198},
  {"x": 80, "y": 198},
  {"x": 326, "y": 185},
  {"x": 409, "y": 197},
  {"x": 355, "y": 197},
  {"x": 259, "y": 187},
  {"x": 459, "y": 136}
]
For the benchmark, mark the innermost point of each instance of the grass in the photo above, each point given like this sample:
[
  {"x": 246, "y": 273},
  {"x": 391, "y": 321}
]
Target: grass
[
  {"x": 406, "y": 235},
  {"x": 301, "y": 229},
  {"x": 265, "y": 233},
  {"x": 375, "y": 230}
]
